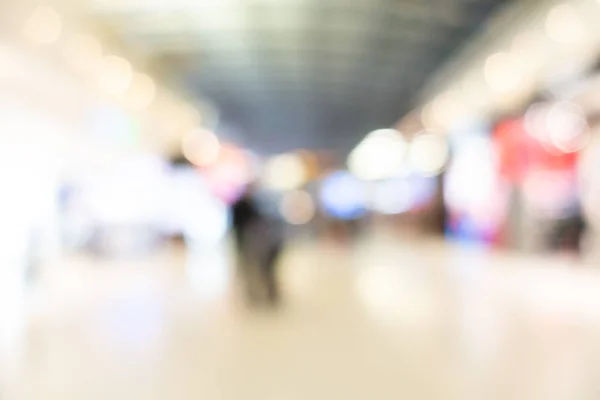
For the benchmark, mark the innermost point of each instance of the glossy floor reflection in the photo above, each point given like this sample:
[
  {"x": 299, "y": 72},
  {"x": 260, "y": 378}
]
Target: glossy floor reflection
[{"x": 388, "y": 318}]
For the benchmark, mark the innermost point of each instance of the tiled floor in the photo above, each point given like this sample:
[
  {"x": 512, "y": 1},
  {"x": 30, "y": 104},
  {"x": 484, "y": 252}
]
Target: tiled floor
[{"x": 388, "y": 318}]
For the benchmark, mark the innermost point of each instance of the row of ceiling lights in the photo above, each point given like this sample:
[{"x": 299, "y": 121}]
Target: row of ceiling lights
[
  {"x": 506, "y": 74},
  {"x": 112, "y": 75},
  {"x": 509, "y": 75}
]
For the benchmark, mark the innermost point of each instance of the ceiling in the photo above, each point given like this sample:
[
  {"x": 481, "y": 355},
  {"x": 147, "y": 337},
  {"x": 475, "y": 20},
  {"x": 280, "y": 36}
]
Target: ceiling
[{"x": 298, "y": 73}]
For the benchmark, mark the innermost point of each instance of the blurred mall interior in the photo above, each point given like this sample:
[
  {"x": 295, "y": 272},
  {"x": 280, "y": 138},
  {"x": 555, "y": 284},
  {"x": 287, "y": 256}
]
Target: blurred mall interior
[{"x": 430, "y": 166}]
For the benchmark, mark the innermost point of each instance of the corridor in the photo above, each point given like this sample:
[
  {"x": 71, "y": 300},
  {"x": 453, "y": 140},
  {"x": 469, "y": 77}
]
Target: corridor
[{"x": 385, "y": 318}]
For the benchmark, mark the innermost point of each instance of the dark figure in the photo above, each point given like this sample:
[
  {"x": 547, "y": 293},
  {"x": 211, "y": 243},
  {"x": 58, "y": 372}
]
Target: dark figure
[
  {"x": 259, "y": 243},
  {"x": 568, "y": 233}
]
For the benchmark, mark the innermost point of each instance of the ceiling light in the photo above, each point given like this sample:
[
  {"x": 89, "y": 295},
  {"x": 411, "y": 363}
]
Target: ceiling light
[
  {"x": 142, "y": 92},
  {"x": 191, "y": 113},
  {"x": 445, "y": 109},
  {"x": 114, "y": 75},
  {"x": 44, "y": 26},
  {"x": 428, "y": 154},
  {"x": 533, "y": 49},
  {"x": 567, "y": 127},
  {"x": 83, "y": 52},
  {"x": 564, "y": 26},
  {"x": 535, "y": 120},
  {"x": 503, "y": 72}
]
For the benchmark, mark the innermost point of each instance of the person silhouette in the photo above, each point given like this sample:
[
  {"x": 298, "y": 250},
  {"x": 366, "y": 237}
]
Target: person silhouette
[{"x": 259, "y": 242}]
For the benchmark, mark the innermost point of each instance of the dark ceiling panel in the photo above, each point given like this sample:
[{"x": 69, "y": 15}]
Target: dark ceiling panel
[{"x": 304, "y": 73}]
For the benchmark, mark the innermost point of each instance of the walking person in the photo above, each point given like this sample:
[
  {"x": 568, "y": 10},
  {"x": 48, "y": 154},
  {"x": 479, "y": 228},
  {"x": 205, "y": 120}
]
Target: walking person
[{"x": 259, "y": 242}]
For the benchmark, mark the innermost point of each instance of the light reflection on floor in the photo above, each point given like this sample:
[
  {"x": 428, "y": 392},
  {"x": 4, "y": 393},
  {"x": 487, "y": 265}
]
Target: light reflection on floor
[{"x": 388, "y": 318}]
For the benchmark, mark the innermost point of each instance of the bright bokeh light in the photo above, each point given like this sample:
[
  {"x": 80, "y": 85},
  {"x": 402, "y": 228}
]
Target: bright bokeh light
[
  {"x": 472, "y": 183},
  {"x": 343, "y": 196},
  {"x": 201, "y": 147},
  {"x": 83, "y": 53},
  {"x": 128, "y": 192},
  {"x": 114, "y": 75},
  {"x": 175, "y": 115},
  {"x": 297, "y": 207},
  {"x": 428, "y": 154},
  {"x": 379, "y": 156},
  {"x": 504, "y": 72},
  {"x": 535, "y": 120},
  {"x": 30, "y": 166},
  {"x": 445, "y": 109},
  {"x": 564, "y": 25},
  {"x": 44, "y": 26},
  {"x": 394, "y": 196},
  {"x": 284, "y": 172},
  {"x": 229, "y": 174},
  {"x": 200, "y": 216},
  {"x": 560, "y": 127},
  {"x": 472, "y": 92},
  {"x": 533, "y": 49},
  {"x": 142, "y": 92},
  {"x": 567, "y": 127}
]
